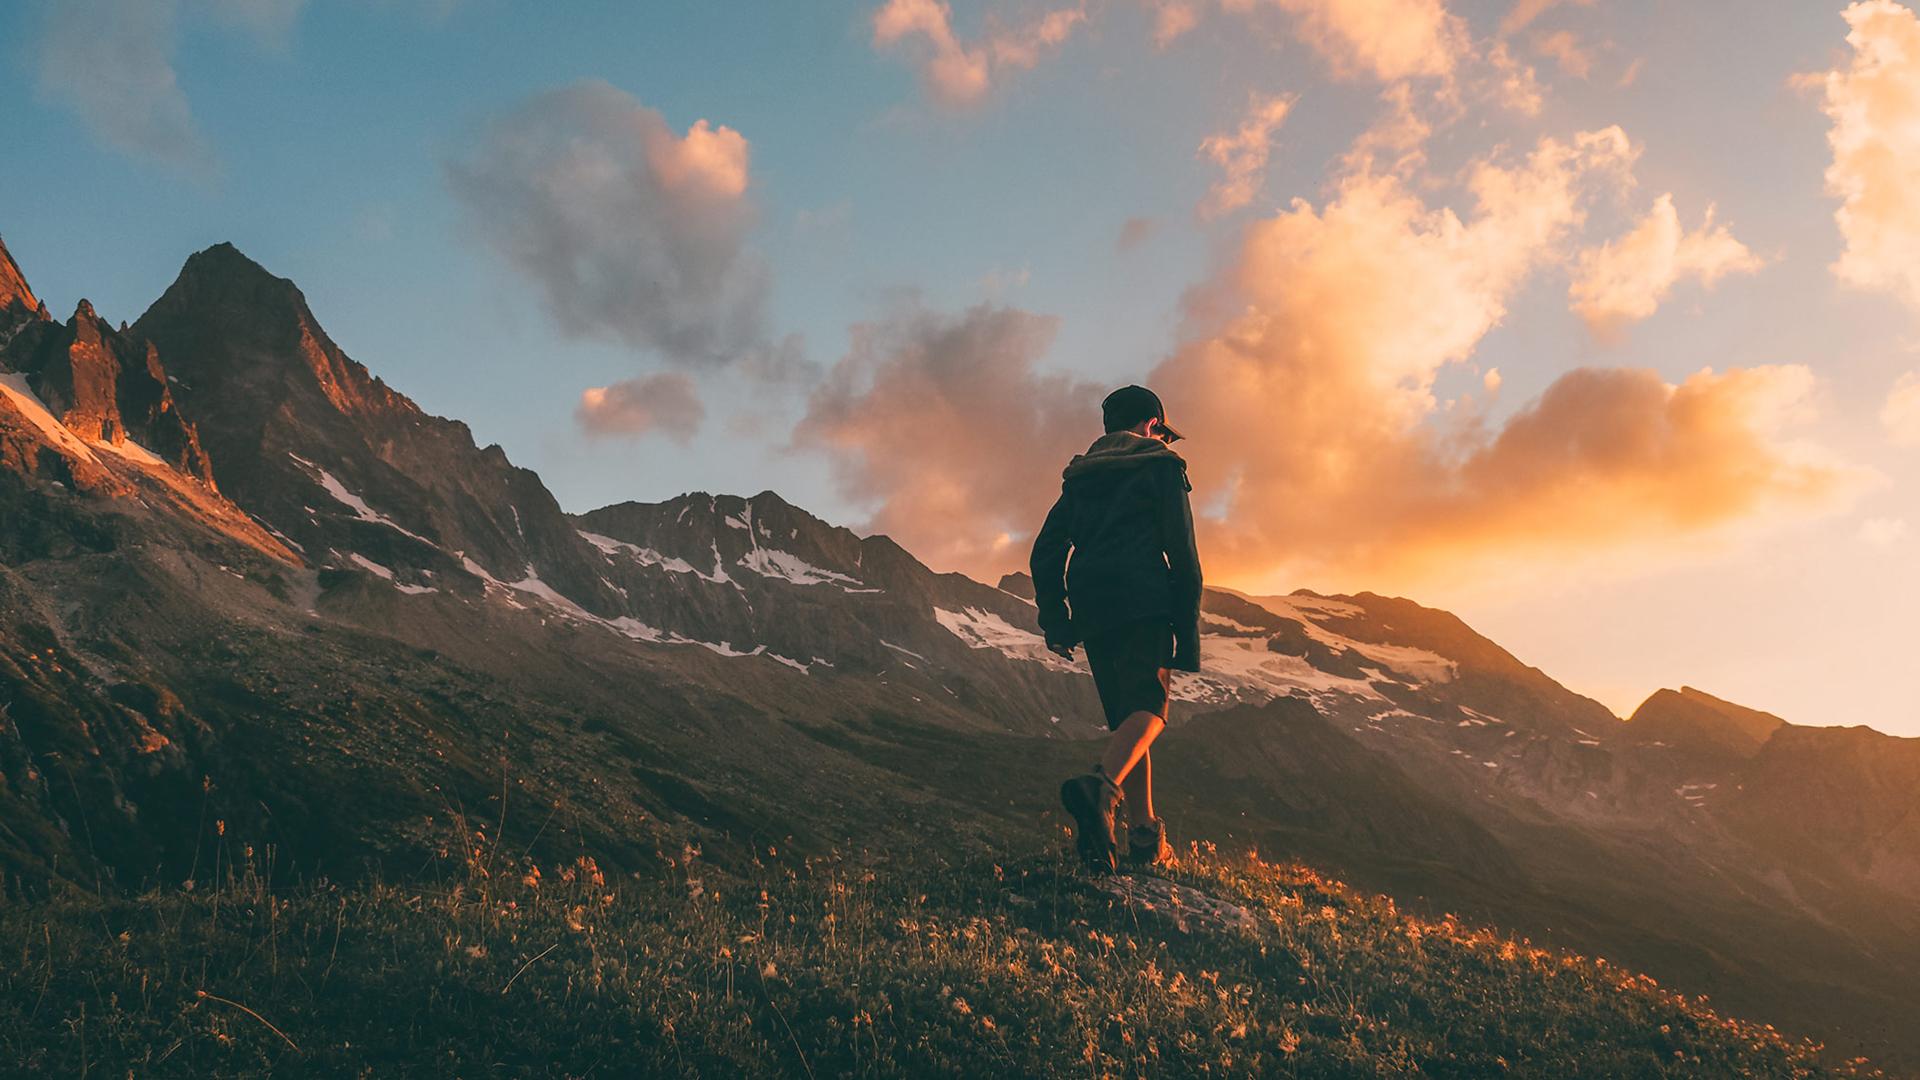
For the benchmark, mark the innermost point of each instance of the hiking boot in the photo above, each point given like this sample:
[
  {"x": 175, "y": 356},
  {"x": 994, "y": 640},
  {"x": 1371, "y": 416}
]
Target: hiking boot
[
  {"x": 1147, "y": 844},
  {"x": 1090, "y": 798}
]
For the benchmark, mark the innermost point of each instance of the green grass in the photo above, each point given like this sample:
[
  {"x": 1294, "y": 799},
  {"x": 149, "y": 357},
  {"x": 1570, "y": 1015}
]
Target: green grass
[{"x": 828, "y": 967}]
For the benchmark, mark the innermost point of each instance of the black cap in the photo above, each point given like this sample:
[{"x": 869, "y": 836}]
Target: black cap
[{"x": 1130, "y": 405}]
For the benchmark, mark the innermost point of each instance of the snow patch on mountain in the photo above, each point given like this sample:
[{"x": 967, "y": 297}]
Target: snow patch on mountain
[
  {"x": 719, "y": 574},
  {"x": 774, "y": 563},
  {"x": 532, "y": 584},
  {"x": 133, "y": 451},
  {"x": 369, "y": 565},
  {"x": 644, "y": 556},
  {"x": 354, "y": 502},
  {"x": 985, "y": 630},
  {"x": 1309, "y": 608},
  {"x": 1236, "y": 668},
  {"x": 14, "y": 386},
  {"x": 902, "y": 649},
  {"x": 1221, "y": 622}
]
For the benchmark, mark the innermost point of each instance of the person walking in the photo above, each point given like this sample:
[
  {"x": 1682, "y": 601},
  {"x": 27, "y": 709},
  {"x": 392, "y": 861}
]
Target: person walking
[{"x": 1115, "y": 569}]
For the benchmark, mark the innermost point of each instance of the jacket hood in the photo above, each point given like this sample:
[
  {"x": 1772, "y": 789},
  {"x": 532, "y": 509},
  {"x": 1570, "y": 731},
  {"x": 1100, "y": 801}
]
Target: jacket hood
[{"x": 1119, "y": 450}]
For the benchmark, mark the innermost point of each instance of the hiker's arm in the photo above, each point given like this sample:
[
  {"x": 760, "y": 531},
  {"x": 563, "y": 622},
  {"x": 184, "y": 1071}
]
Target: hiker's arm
[
  {"x": 1183, "y": 561},
  {"x": 1049, "y": 566}
]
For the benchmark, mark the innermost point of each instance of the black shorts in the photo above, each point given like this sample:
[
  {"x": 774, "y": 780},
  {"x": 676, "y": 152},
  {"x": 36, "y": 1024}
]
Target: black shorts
[{"x": 1129, "y": 663}]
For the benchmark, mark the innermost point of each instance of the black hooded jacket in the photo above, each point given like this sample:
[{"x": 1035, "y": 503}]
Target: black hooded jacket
[{"x": 1118, "y": 546}]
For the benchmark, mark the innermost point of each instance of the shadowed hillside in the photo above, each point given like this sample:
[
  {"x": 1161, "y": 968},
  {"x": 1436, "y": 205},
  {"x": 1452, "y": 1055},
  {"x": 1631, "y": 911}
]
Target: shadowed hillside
[{"x": 838, "y": 966}]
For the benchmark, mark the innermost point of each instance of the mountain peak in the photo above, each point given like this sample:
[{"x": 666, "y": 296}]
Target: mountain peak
[
  {"x": 224, "y": 258},
  {"x": 1698, "y": 720},
  {"x": 13, "y": 284},
  {"x": 225, "y": 314},
  {"x": 223, "y": 275}
]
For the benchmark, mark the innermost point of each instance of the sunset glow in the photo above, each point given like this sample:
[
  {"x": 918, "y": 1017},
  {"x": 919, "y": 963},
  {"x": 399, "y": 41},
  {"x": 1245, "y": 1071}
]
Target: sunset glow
[{"x": 1592, "y": 323}]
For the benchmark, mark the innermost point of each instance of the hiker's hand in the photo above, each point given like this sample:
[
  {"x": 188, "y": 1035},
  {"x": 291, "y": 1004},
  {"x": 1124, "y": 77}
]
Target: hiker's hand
[{"x": 1186, "y": 656}]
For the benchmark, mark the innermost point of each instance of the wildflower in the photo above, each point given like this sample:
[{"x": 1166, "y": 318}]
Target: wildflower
[
  {"x": 769, "y": 971},
  {"x": 960, "y": 1006}
]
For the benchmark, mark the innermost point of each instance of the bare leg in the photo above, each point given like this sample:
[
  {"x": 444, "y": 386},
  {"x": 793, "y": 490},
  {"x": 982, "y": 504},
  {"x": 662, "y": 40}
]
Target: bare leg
[
  {"x": 1129, "y": 744},
  {"x": 1139, "y": 791}
]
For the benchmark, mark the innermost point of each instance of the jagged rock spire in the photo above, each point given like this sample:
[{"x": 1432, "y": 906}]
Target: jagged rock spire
[{"x": 14, "y": 292}]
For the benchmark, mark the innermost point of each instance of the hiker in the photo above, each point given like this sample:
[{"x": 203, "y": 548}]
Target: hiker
[{"x": 1131, "y": 595}]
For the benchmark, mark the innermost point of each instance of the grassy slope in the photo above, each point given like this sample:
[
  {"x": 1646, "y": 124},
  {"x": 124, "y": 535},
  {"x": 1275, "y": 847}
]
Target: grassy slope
[{"x": 829, "y": 966}]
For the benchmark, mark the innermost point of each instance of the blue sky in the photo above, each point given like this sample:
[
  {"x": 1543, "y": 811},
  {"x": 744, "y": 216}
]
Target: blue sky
[{"x": 328, "y": 126}]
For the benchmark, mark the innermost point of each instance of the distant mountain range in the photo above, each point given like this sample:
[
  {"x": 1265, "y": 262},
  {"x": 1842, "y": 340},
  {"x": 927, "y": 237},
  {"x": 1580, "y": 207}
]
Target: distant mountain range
[{"x": 251, "y": 594}]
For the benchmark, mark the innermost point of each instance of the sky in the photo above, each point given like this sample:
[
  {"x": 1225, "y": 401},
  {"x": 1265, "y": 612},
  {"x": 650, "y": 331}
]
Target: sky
[{"x": 1591, "y": 322}]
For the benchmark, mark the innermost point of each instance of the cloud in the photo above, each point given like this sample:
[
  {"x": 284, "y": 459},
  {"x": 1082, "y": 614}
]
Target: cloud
[
  {"x": 1874, "y": 104},
  {"x": 1524, "y": 12},
  {"x": 946, "y": 424},
  {"x": 1242, "y": 155},
  {"x": 1134, "y": 232},
  {"x": 1901, "y": 414},
  {"x": 1564, "y": 49},
  {"x": 1511, "y": 82},
  {"x": 1387, "y": 40},
  {"x": 1307, "y": 381},
  {"x": 957, "y": 73},
  {"x": 664, "y": 402},
  {"x": 1624, "y": 280},
  {"x": 1172, "y": 19},
  {"x": 111, "y": 62},
  {"x": 1396, "y": 142},
  {"x": 627, "y": 231}
]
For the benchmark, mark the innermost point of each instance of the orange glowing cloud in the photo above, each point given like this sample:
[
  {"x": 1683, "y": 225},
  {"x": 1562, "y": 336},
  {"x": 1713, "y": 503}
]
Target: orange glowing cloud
[
  {"x": 958, "y": 73},
  {"x": 627, "y": 230},
  {"x": 1242, "y": 155},
  {"x": 1901, "y": 413},
  {"x": 1874, "y": 104},
  {"x": 1565, "y": 49},
  {"x": 665, "y": 402},
  {"x": 1172, "y": 19},
  {"x": 1387, "y": 40},
  {"x": 1625, "y": 280},
  {"x": 946, "y": 424},
  {"x": 1318, "y": 444},
  {"x": 1524, "y": 12},
  {"x": 1321, "y": 449}
]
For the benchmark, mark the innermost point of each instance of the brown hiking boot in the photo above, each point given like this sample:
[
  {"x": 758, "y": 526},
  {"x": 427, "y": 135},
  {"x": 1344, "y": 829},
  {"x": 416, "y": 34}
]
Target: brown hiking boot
[
  {"x": 1090, "y": 798},
  {"x": 1147, "y": 844}
]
